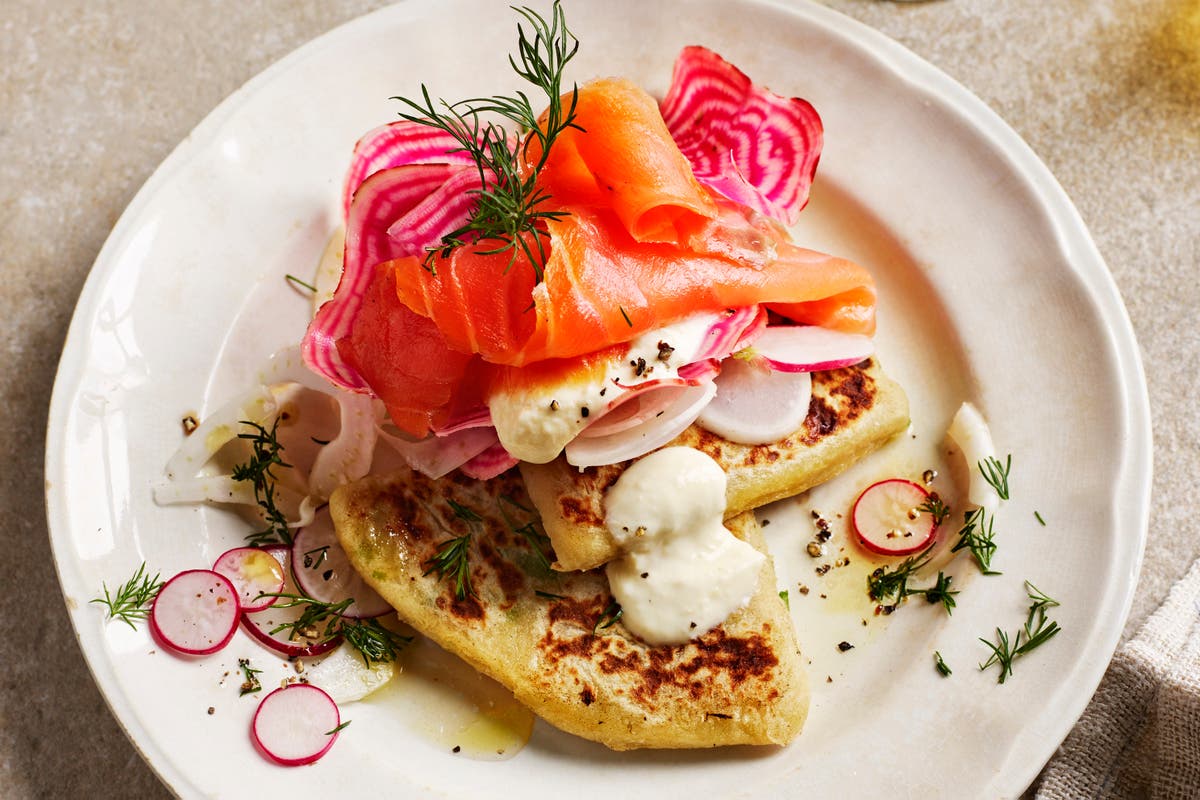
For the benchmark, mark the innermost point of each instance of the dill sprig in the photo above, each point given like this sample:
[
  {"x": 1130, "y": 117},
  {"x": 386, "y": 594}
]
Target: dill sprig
[
  {"x": 372, "y": 640},
  {"x": 530, "y": 532},
  {"x": 884, "y": 584},
  {"x": 453, "y": 556},
  {"x": 890, "y": 587},
  {"x": 312, "y": 561},
  {"x": 251, "y": 683},
  {"x": 1038, "y": 630},
  {"x": 265, "y": 451},
  {"x": 936, "y": 508},
  {"x": 977, "y": 533},
  {"x": 996, "y": 474},
  {"x": 608, "y": 617},
  {"x": 979, "y": 537},
  {"x": 130, "y": 602},
  {"x": 452, "y": 560},
  {"x": 940, "y": 592},
  {"x": 463, "y": 512},
  {"x": 292, "y": 279},
  {"x": 508, "y": 197},
  {"x": 322, "y": 621}
]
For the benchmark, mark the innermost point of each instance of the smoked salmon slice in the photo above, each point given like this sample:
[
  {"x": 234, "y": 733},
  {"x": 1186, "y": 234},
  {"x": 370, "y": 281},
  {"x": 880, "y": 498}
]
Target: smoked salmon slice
[
  {"x": 621, "y": 156},
  {"x": 642, "y": 243}
]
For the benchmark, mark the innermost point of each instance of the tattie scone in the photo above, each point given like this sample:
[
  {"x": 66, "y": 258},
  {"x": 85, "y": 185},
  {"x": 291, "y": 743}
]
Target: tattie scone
[
  {"x": 554, "y": 638},
  {"x": 853, "y": 411}
]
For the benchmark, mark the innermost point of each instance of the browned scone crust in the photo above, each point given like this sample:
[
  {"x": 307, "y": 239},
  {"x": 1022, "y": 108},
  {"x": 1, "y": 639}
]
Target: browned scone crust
[
  {"x": 537, "y": 631},
  {"x": 853, "y": 412}
]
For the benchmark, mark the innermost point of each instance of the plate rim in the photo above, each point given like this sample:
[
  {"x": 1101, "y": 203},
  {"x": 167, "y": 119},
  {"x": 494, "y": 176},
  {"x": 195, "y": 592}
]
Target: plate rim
[{"x": 1073, "y": 239}]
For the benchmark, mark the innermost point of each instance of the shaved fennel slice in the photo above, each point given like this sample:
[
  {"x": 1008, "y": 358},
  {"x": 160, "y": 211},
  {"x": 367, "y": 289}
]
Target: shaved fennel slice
[
  {"x": 218, "y": 429},
  {"x": 205, "y": 489},
  {"x": 287, "y": 366},
  {"x": 345, "y": 677},
  {"x": 970, "y": 432},
  {"x": 347, "y": 457}
]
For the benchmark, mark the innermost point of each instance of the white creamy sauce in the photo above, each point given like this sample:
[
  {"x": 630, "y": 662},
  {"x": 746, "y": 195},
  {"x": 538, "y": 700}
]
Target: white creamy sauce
[
  {"x": 682, "y": 572},
  {"x": 535, "y": 424}
]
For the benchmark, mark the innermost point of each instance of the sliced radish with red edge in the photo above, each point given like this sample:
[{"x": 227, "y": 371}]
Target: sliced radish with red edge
[
  {"x": 195, "y": 613},
  {"x": 649, "y": 435},
  {"x": 810, "y": 348},
  {"x": 259, "y": 624},
  {"x": 888, "y": 518},
  {"x": 296, "y": 725},
  {"x": 324, "y": 573},
  {"x": 254, "y": 573},
  {"x": 755, "y": 405}
]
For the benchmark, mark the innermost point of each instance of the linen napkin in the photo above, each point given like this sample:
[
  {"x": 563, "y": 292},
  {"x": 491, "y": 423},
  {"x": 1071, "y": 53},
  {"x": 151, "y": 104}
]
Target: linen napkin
[{"x": 1140, "y": 735}]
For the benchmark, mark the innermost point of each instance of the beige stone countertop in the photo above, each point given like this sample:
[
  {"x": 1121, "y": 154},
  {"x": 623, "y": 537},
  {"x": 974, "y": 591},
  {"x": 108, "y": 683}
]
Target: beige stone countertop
[{"x": 93, "y": 95}]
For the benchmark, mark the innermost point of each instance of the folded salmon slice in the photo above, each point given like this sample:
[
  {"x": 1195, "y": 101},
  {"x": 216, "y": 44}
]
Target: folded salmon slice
[
  {"x": 621, "y": 156},
  {"x": 642, "y": 244},
  {"x": 601, "y": 287}
]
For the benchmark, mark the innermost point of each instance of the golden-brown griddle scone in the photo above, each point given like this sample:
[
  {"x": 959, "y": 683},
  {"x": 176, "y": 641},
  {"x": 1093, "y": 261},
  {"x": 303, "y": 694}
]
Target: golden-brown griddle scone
[
  {"x": 853, "y": 411},
  {"x": 542, "y": 633}
]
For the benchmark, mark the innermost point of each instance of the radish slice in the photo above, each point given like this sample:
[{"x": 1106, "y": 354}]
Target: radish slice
[
  {"x": 635, "y": 407},
  {"x": 745, "y": 142},
  {"x": 253, "y": 572},
  {"x": 888, "y": 518},
  {"x": 296, "y": 724},
  {"x": 754, "y": 405},
  {"x": 650, "y": 435},
  {"x": 809, "y": 348},
  {"x": 324, "y": 573},
  {"x": 195, "y": 612},
  {"x": 259, "y": 624}
]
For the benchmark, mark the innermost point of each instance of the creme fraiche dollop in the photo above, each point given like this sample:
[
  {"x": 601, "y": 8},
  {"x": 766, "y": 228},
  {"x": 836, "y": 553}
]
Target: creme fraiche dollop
[{"x": 682, "y": 572}]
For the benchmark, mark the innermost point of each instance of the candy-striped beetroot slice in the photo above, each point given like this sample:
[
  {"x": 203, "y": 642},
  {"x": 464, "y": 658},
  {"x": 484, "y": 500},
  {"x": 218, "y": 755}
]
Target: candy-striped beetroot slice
[
  {"x": 379, "y": 201},
  {"x": 747, "y": 143},
  {"x": 254, "y": 573},
  {"x": 195, "y": 613},
  {"x": 296, "y": 725},
  {"x": 399, "y": 144}
]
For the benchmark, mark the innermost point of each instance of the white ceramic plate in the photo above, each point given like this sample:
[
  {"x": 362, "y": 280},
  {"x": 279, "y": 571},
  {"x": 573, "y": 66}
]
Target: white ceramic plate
[{"x": 991, "y": 291}]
